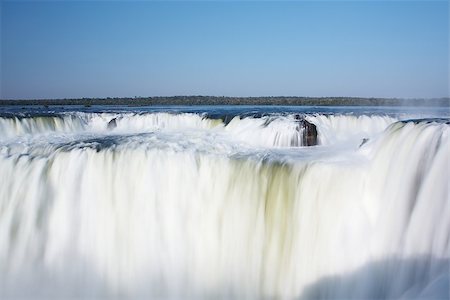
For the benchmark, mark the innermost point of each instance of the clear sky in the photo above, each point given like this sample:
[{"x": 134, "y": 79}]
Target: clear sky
[{"x": 325, "y": 48}]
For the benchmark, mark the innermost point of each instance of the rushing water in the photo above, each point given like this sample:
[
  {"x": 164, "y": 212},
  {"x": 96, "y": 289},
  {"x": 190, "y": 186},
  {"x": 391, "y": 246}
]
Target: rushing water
[{"x": 224, "y": 202}]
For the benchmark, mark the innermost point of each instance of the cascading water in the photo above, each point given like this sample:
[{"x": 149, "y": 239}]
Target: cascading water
[{"x": 164, "y": 205}]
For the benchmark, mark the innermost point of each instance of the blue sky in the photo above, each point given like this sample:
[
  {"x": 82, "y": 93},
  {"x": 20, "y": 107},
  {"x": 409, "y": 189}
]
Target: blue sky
[{"x": 325, "y": 48}]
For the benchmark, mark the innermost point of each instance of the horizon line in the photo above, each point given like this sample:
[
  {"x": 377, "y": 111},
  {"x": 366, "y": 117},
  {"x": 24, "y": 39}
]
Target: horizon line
[{"x": 223, "y": 96}]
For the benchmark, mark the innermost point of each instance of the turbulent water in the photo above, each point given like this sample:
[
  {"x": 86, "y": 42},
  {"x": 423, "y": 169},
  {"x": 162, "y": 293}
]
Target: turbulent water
[{"x": 224, "y": 203}]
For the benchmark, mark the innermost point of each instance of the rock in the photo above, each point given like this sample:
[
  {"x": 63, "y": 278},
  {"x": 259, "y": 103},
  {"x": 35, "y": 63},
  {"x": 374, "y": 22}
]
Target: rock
[
  {"x": 364, "y": 140},
  {"x": 112, "y": 124},
  {"x": 308, "y": 130}
]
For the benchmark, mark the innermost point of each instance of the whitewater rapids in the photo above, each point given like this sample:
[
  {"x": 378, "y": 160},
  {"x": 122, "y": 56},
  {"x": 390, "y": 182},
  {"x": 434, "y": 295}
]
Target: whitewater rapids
[{"x": 186, "y": 205}]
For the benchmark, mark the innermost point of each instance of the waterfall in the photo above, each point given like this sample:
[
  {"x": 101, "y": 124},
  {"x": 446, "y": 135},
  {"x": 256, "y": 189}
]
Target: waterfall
[{"x": 168, "y": 205}]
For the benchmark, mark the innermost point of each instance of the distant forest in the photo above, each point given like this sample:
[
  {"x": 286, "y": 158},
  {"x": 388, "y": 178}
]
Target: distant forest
[{"x": 212, "y": 100}]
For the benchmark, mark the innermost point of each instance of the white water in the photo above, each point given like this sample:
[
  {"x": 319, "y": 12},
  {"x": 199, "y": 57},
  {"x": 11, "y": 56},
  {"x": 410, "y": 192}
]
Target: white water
[{"x": 180, "y": 206}]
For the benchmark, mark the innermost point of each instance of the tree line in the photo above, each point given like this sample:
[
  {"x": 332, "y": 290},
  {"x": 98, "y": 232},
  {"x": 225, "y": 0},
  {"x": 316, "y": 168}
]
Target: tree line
[{"x": 217, "y": 100}]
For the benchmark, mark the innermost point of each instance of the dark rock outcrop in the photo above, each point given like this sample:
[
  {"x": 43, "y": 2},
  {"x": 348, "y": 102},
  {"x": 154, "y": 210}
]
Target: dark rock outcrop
[
  {"x": 112, "y": 124},
  {"x": 308, "y": 130},
  {"x": 364, "y": 140}
]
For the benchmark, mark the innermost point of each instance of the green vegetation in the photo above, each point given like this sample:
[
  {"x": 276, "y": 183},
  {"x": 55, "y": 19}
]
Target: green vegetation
[{"x": 211, "y": 100}]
